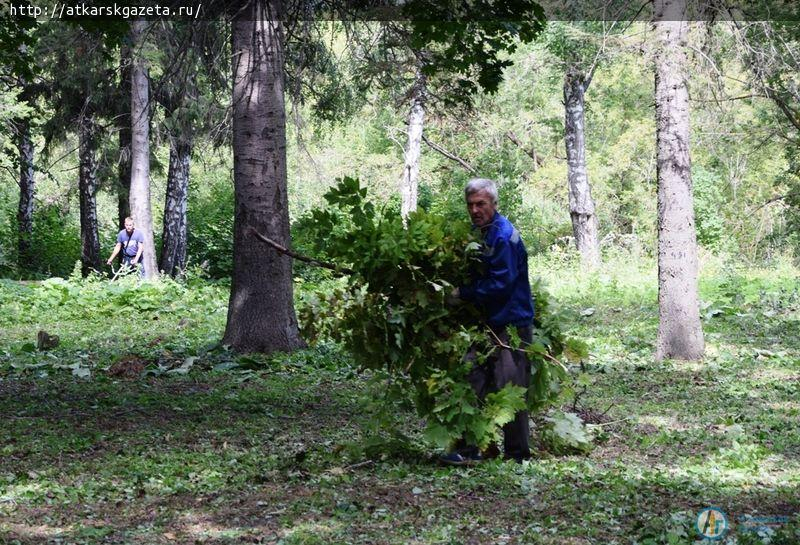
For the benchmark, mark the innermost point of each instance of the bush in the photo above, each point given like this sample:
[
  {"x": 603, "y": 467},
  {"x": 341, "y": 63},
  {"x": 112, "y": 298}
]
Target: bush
[
  {"x": 55, "y": 244},
  {"x": 708, "y": 206},
  {"x": 210, "y": 230}
]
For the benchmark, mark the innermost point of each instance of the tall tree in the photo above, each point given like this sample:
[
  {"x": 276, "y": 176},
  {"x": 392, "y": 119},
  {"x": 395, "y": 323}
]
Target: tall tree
[
  {"x": 581, "y": 204},
  {"x": 409, "y": 186},
  {"x": 78, "y": 80},
  {"x": 579, "y": 47},
  {"x": 123, "y": 124},
  {"x": 177, "y": 92},
  {"x": 140, "y": 147},
  {"x": 191, "y": 78},
  {"x": 261, "y": 316},
  {"x": 680, "y": 334},
  {"x": 17, "y": 66},
  {"x": 27, "y": 190},
  {"x": 87, "y": 189}
]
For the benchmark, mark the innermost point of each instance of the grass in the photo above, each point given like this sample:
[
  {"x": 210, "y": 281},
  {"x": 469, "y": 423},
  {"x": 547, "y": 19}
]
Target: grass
[{"x": 211, "y": 447}]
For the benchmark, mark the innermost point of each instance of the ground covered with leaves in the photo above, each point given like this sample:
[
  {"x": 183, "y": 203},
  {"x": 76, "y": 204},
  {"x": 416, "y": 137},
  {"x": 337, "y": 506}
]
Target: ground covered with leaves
[{"x": 139, "y": 428}]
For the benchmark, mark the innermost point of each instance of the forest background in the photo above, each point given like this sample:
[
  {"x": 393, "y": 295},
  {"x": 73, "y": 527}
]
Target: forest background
[
  {"x": 743, "y": 153},
  {"x": 139, "y": 425}
]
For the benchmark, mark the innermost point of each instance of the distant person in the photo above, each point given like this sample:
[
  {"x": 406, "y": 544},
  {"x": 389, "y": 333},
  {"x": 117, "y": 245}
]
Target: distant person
[
  {"x": 131, "y": 243},
  {"x": 502, "y": 292}
]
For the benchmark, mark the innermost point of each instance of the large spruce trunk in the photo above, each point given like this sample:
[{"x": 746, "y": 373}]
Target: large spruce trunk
[
  {"x": 27, "y": 191},
  {"x": 87, "y": 189},
  {"x": 581, "y": 204},
  {"x": 261, "y": 316},
  {"x": 140, "y": 149},
  {"x": 123, "y": 123},
  {"x": 409, "y": 185},
  {"x": 173, "y": 240},
  {"x": 680, "y": 334}
]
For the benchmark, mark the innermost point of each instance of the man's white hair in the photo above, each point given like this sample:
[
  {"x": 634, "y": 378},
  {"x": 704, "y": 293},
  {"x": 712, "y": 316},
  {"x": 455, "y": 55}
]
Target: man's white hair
[{"x": 481, "y": 184}]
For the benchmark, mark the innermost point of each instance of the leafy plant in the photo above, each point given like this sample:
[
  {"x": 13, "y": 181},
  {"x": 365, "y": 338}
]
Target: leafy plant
[{"x": 392, "y": 314}]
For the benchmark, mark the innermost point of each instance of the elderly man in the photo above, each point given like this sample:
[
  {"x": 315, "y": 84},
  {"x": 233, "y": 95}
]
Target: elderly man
[
  {"x": 131, "y": 243},
  {"x": 502, "y": 291}
]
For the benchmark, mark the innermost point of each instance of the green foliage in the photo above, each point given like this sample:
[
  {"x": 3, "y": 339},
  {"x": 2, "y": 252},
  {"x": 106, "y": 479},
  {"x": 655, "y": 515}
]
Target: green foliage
[
  {"x": 56, "y": 242},
  {"x": 708, "y": 204},
  {"x": 566, "y": 433},
  {"x": 472, "y": 40},
  {"x": 393, "y": 316},
  {"x": 210, "y": 230}
]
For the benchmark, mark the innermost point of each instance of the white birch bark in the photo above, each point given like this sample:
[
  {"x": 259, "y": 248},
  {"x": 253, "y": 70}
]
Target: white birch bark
[
  {"x": 27, "y": 192},
  {"x": 581, "y": 204},
  {"x": 87, "y": 189},
  {"x": 409, "y": 185}
]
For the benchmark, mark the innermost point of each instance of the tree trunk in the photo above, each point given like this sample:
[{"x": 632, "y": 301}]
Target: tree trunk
[
  {"x": 261, "y": 316},
  {"x": 87, "y": 186},
  {"x": 410, "y": 184},
  {"x": 680, "y": 334},
  {"x": 27, "y": 189},
  {"x": 581, "y": 205},
  {"x": 140, "y": 150},
  {"x": 123, "y": 123},
  {"x": 173, "y": 241}
]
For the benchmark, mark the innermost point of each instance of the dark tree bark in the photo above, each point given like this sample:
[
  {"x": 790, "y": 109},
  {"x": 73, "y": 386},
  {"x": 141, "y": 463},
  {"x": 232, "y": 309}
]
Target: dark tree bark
[
  {"x": 409, "y": 188},
  {"x": 680, "y": 334},
  {"x": 87, "y": 188},
  {"x": 261, "y": 316},
  {"x": 140, "y": 150},
  {"x": 173, "y": 240},
  {"x": 581, "y": 204},
  {"x": 27, "y": 191},
  {"x": 123, "y": 122}
]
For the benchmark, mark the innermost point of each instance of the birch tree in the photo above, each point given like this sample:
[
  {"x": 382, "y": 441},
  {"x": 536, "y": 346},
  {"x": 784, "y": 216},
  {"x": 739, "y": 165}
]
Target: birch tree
[
  {"x": 409, "y": 185},
  {"x": 27, "y": 191}
]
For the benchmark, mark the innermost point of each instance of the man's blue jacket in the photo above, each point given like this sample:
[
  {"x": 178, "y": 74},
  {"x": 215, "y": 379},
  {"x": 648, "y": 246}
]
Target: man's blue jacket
[{"x": 502, "y": 289}]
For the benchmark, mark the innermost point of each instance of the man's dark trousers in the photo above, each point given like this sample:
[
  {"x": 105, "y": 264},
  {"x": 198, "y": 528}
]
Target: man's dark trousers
[{"x": 504, "y": 366}]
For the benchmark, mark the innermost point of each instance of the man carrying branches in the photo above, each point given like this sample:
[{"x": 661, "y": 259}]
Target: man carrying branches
[{"x": 501, "y": 290}]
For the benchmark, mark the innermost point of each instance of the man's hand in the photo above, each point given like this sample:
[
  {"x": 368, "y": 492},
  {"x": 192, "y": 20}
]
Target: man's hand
[
  {"x": 454, "y": 299},
  {"x": 110, "y": 261}
]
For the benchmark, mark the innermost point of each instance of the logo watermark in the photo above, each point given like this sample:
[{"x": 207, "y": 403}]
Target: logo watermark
[{"x": 712, "y": 523}]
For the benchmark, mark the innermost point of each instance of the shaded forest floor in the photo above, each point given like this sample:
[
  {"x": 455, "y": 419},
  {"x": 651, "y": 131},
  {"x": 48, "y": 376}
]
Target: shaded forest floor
[{"x": 204, "y": 446}]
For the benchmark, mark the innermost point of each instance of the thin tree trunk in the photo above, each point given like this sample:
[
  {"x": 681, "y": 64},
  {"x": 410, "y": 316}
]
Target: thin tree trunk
[
  {"x": 124, "y": 128},
  {"x": 581, "y": 204},
  {"x": 680, "y": 334},
  {"x": 173, "y": 240},
  {"x": 27, "y": 191},
  {"x": 87, "y": 186},
  {"x": 140, "y": 150},
  {"x": 261, "y": 316},
  {"x": 409, "y": 187}
]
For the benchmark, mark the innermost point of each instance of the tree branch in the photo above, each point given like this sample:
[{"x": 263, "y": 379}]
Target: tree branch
[
  {"x": 310, "y": 260},
  {"x": 451, "y": 156},
  {"x": 770, "y": 201},
  {"x": 529, "y": 152}
]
